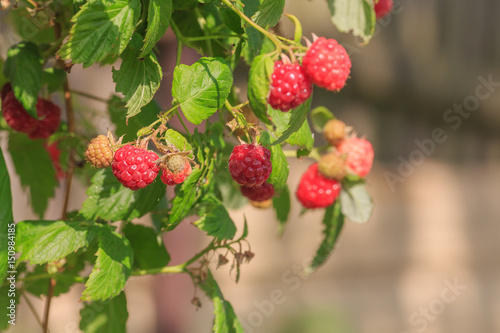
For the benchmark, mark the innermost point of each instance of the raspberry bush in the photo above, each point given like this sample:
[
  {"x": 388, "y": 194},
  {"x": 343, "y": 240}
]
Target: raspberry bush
[{"x": 232, "y": 144}]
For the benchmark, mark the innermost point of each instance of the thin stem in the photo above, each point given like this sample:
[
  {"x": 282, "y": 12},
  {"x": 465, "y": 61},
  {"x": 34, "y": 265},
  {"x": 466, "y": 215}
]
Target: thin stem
[
  {"x": 50, "y": 293},
  {"x": 182, "y": 122},
  {"x": 201, "y": 38},
  {"x": 180, "y": 41},
  {"x": 87, "y": 95},
  {"x": 181, "y": 268},
  {"x": 276, "y": 41},
  {"x": 71, "y": 129},
  {"x": 33, "y": 310},
  {"x": 203, "y": 25},
  {"x": 231, "y": 109}
]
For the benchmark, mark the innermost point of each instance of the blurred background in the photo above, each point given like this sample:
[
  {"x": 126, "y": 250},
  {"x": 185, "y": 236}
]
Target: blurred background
[{"x": 426, "y": 261}]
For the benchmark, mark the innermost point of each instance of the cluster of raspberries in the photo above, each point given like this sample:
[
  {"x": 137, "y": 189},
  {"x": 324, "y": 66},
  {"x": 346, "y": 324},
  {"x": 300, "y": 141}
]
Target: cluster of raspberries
[
  {"x": 135, "y": 167},
  {"x": 320, "y": 185},
  {"x": 326, "y": 64},
  {"x": 250, "y": 166}
]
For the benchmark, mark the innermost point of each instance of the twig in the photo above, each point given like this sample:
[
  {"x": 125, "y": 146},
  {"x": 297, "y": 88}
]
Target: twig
[{"x": 32, "y": 308}]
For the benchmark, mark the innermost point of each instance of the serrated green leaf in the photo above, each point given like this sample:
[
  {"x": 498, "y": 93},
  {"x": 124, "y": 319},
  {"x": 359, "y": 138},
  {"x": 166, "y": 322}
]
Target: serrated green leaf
[
  {"x": 159, "y": 13},
  {"x": 333, "y": 222},
  {"x": 279, "y": 174},
  {"x": 298, "y": 117},
  {"x": 138, "y": 79},
  {"x": 184, "y": 199},
  {"x": 109, "y": 200},
  {"x": 269, "y": 13},
  {"x": 216, "y": 222},
  {"x": 148, "y": 247},
  {"x": 231, "y": 20},
  {"x": 355, "y": 201},
  {"x": 24, "y": 69},
  {"x": 202, "y": 88},
  {"x": 319, "y": 117},
  {"x": 108, "y": 316},
  {"x": 54, "y": 78},
  {"x": 39, "y": 177},
  {"x": 302, "y": 137},
  {"x": 47, "y": 241},
  {"x": 101, "y": 28},
  {"x": 178, "y": 140},
  {"x": 118, "y": 113},
  {"x": 112, "y": 267},
  {"x": 225, "y": 320},
  {"x": 357, "y": 16},
  {"x": 281, "y": 204},
  {"x": 258, "y": 85},
  {"x": 6, "y": 217}
]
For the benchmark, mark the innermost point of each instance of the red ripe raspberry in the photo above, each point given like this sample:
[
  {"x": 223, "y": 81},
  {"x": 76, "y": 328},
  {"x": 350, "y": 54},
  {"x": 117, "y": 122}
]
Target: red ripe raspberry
[
  {"x": 55, "y": 154},
  {"x": 49, "y": 116},
  {"x": 316, "y": 191},
  {"x": 259, "y": 193},
  {"x": 327, "y": 64},
  {"x": 16, "y": 116},
  {"x": 359, "y": 155},
  {"x": 290, "y": 86},
  {"x": 99, "y": 152},
  {"x": 383, "y": 7},
  {"x": 170, "y": 178},
  {"x": 250, "y": 165},
  {"x": 135, "y": 167}
]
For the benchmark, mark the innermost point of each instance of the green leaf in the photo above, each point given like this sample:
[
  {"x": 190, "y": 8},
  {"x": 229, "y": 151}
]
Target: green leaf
[
  {"x": 281, "y": 204},
  {"x": 216, "y": 222},
  {"x": 269, "y": 13},
  {"x": 258, "y": 85},
  {"x": 148, "y": 247},
  {"x": 184, "y": 199},
  {"x": 202, "y": 88},
  {"x": 159, "y": 13},
  {"x": 118, "y": 113},
  {"x": 225, "y": 320},
  {"x": 108, "y": 316},
  {"x": 24, "y": 69},
  {"x": 333, "y": 221},
  {"x": 302, "y": 138},
  {"x": 54, "y": 78},
  {"x": 39, "y": 177},
  {"x": 357, "y": 16},
  {"x": 178, "y": 140},
  {"x": 298, "y": 117},
  {"x": 47, "y": 241},
  {"x": 7, "y": 225},
  {"x": 138, "y": 79},
  {"x": 109, "y": 200},
  {"x": 112, "y": 267},
  {"x": 229, "y": 191},
  {"x": 319, "y": 117},
  {"x": 356, "y": 203},
  {"x": 279, "y": 174},
  {"x": 101, "y": 28}
]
